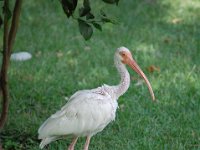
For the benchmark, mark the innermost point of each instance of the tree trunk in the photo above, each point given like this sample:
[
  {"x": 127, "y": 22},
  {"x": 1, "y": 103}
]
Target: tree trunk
[
  {"x": 8, "y": 42},
  {"x": 3, "y": 75}
]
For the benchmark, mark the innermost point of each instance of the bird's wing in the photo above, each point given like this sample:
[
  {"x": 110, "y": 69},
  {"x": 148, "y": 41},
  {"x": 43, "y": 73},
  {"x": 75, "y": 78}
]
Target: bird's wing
[
  {"x": 72, "y": 101},
  {"x": 86, "y": 111}
]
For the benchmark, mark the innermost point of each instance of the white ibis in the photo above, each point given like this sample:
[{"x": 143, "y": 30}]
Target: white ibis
[{"x": 90, "y": 111}]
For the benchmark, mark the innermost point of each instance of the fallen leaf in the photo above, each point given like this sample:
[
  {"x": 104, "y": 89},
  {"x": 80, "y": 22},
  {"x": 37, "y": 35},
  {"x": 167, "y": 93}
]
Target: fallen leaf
[
  {"x": 139, "y": 82},
  {"x": 153, "y": 68},
  {"x": 176, "y": 20},
  {"x": 122, "y": 107},
  {"x": 133, "y": 78},
  {"x": 38, "y": 53},
  {"x": 87, "y": 48},
  {"x": 59, "y": 54},
  {"x": 167, "y": 40},
  {"x": 66, "y": 98}
]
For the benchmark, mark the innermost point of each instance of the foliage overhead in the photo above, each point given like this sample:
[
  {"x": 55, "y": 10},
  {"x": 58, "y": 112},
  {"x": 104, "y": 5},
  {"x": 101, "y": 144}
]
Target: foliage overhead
[{"x": 86, "y": 19}]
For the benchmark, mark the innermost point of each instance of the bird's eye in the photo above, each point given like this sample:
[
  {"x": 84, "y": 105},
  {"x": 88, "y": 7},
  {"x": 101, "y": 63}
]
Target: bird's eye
[{"x": 123, "y": 54}]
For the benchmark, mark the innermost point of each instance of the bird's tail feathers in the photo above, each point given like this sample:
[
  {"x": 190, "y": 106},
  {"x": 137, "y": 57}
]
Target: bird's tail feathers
[{"x": 48, "y": 140}]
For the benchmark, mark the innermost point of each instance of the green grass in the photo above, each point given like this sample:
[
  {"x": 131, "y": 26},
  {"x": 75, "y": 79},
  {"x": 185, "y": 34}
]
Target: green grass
[{"x": 161, "y": 33}]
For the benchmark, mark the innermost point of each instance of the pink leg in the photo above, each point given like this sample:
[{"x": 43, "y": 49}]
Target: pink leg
[
  {"x": 87, "y": 143},
  {"x": 71, "y": 147}
]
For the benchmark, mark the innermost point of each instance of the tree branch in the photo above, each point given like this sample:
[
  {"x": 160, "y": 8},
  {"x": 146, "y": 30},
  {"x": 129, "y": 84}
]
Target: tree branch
[{"x": 14, "y": 25}]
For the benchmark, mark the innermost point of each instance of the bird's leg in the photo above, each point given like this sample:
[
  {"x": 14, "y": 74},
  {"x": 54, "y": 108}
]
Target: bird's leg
[
  {"x": 87, "y": 143},
  {"x": 71, "y": 146}
]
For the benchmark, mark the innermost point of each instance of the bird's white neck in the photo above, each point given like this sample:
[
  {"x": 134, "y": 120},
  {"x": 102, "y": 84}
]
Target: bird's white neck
[{"x": 123, "y": 86}]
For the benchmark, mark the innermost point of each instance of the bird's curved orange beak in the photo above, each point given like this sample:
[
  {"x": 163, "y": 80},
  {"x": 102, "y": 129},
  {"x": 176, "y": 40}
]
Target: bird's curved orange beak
[{"x": 132, "y": 63}]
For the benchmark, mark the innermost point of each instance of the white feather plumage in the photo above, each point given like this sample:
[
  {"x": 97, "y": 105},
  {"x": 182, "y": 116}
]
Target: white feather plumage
[{"x": 86, "y": 113}]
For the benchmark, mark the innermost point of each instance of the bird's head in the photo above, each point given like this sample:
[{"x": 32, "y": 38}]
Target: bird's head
[{"x": 124, "y": 55}]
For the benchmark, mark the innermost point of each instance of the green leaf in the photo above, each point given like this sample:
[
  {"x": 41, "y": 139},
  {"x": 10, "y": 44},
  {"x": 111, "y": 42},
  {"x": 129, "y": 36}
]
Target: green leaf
[
  {"x": 102, "y": 13},
  {"x": 83, "y": 11},
  {"x": 85, "y": 29},
  {"x": 97, "y": 26},
  {"x": 117, "y": 2},
  {"x": 69, "y": 6},
  {"x": 111, "y": 1},
  {"x": 86, "y": 4},
  {"x": 89, "y": 16},
  {"x": 108, "y": 20}
]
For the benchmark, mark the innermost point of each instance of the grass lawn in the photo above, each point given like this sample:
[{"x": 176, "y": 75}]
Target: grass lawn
[{"x": 165, "y": 34}]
